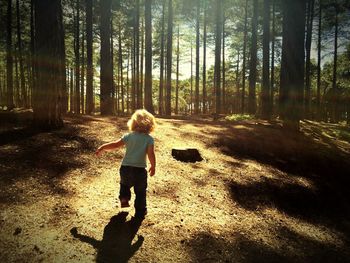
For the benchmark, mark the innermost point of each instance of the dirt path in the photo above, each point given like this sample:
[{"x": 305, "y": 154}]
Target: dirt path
[{"x": 260, "y": 195}]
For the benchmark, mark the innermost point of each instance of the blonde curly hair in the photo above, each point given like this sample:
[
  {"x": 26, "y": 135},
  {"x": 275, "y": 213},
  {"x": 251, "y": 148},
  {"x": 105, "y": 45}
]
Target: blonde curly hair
[{"x": 142, "y": 121}]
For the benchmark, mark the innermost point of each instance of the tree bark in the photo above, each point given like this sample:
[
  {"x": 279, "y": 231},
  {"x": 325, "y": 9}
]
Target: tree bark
[
  {"x": 161, "y": 78},
  {"x": 265, "y": 100},
  {"x": 319, "y": 61},
  {"x": 204, "y": 81},
  {"x": 223, "y": 68},
  {"x": 9, "y": 57},
  {"x": 272, "y": 81},
  {"x": 177, "y": 70},
  {"x": 89, "y": 108},
  {"x": 217, "y": 75},
  {"x": 106, "y": 78},
  {"x": 169, "y": 58},
  {"x": 244, "y": 56},
  {"x": 82, "y": 76},
  {"x": 292, "y": 64},
  {"x": 148, "y": 56},
  {"x": 49, "y": 53},
  {"x": 77, "y": 59},
  {"x": 196, "y": 105},
  {"x": 253, "y": 61},
  {"x": 308, "y": 55},
  {"x": 121, "y": 67},
  {"x": 20, "y": 59}
]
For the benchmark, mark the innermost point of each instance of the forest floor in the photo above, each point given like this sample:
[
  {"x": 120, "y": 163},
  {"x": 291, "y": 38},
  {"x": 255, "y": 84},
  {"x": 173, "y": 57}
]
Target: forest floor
[{"x": 260, "y": 195}]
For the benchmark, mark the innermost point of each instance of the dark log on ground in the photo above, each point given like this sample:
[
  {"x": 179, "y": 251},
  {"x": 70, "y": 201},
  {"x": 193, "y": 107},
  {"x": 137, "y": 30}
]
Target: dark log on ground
[{"x": 190, "y": 155}]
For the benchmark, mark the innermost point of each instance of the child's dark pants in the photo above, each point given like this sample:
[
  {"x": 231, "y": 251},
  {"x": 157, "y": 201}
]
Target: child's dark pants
[{"x": 136, "y": 177}]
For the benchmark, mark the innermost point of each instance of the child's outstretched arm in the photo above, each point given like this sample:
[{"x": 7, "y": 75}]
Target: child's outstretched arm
[
  {"x": 152, "y": 159},
  {"x": 109, "y": 146}
]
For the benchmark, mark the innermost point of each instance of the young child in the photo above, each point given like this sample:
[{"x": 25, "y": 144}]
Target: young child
[{"x": 138, "y": 144}]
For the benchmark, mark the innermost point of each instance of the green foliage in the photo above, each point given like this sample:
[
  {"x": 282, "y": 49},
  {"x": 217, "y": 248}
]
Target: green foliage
[{"x": 239, "y": 117}]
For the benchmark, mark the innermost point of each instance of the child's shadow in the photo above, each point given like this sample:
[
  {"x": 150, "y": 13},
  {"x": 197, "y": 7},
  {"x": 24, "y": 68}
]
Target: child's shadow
[{"x": 117, "y": 238}]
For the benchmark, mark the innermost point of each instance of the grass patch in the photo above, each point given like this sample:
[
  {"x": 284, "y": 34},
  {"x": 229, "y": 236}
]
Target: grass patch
[{"x": 239, "y": 117}]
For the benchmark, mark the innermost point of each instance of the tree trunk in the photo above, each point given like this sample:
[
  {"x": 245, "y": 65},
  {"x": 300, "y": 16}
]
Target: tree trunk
[
  {"x": 89, "y": 108},
  {"x": 335, "y": 51},
  {"x": 9, "y": 57},
  {"x": 148, "y": 56},
  {"x": 82, "y": 82},
  {"x": 71, "y": 95},
  {"x": 77, "y": 59},
  {"x": 177, "y": 71},
  {"x": 319, "y": 61},
  {"x": 265, "y": 100},
  {"x": 236, "y": 98},
  {"x": 292, "y": 64},
  {"x": 114, "y": 91},
  {"x": 20, "y": 58},
  {"x": 244, "y": 56},
  {"x": 223, "y": 68},
  {"x": 161, "y": 76},
  {"x": 51, "y": 78},
  {"x": 272, "y": 81},
  {"x": 32, "y": 60},
  {"x": 217, "y": 79},
  {"x": 137, "y": 55},
  {"x": 141, "y": 64},
  {"x": 106, "y": 78},
  {"x": 191, "y": 91},
  {"x": 310, "y": 16},
  {"x": 121, "y": 67},
  {"x": 196, "y": 105},
  {"x": 204, "y": 81},
  {"x": 169, "y": 58},
  {"x": 253, "y": 61},
  {"x": 128, "y": 85}
]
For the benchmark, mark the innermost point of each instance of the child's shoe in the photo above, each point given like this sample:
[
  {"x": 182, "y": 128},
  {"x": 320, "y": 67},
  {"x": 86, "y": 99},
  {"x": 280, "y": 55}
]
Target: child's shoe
[{"x": 124, "y": 203}]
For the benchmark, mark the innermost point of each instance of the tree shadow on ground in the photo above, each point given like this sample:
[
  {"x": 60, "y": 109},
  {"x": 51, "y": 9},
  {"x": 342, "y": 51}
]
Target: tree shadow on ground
[
  {"x": 116, "y": 244},
  {"x": 235, "y": 247},
  {"x": 41, "y": 156},
  {"x": 320, "y": 162}
]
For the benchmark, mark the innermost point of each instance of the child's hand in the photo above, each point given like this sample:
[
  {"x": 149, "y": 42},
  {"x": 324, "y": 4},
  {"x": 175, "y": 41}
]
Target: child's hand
[{"x": 152, "y": 171}]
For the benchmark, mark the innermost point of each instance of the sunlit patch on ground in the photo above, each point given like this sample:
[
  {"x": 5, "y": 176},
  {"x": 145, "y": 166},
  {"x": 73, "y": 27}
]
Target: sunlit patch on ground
[{"x": 259, "y": 195}]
